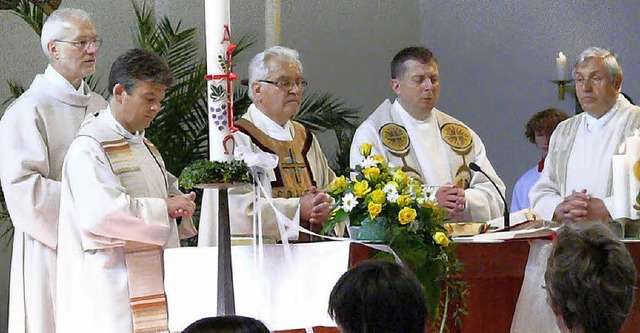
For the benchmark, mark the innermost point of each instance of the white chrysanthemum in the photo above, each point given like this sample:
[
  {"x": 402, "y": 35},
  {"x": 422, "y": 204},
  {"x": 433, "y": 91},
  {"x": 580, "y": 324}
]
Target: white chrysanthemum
[
  {"x": 430, "y": 194},
  {"x": 369, "y": 163},
  {"x": 393, "y": 196},
  {"x": 413, "y": 226},
  {"x": 390, "y": 188},
  {"x": 349, "y": 201}
]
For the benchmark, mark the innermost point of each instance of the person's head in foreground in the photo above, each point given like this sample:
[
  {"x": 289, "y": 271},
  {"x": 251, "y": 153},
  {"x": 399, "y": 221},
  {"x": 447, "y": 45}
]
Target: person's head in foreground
[
  {"x": 378, "y": 297},
  {"x": 590, "y": 279},
  {"x": 227, "y": 324},
  {"x": 137, "y": 83}
]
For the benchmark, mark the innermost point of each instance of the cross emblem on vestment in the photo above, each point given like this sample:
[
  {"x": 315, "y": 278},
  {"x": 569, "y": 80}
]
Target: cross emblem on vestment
[{"x": 296, "y": 166}]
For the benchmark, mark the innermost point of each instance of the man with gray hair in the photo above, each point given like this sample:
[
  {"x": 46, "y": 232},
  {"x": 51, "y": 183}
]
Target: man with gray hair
[
  {"x": 575, "y": 184},
  {"x": 37, "y": 130},
  {"x": 297, "y": 182}
]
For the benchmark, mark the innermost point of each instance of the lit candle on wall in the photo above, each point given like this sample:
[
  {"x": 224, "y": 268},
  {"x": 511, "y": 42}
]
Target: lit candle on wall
[{"x": 561, "y": 64}]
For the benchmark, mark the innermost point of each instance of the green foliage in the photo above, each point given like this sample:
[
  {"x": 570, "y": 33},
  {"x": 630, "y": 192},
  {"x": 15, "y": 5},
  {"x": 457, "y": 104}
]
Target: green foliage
[
  {"x": 34, "y": 12},
  {"x": 181, "y": 130},
  {"x": 208, "y": 172}
]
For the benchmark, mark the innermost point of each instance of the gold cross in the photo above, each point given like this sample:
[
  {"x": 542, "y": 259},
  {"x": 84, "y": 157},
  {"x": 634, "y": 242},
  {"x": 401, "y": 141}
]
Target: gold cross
[{"x": 291, "y": 163}]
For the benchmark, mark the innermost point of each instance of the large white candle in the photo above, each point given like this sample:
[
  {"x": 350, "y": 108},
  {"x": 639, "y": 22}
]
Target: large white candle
[
  {"x": 219, "y": 91},
  {"x": 620, "y": 186},
  {"x": 561, "y": 65}
]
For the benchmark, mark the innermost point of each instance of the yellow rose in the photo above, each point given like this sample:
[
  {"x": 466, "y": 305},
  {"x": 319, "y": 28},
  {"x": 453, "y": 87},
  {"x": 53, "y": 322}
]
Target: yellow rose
[
  {"x": 338, "y": 185},
  {"x": 430, "y": 204},
  {"x": 400, "y": 177},
  {"x": 371, "y": 173},
  {"x": 360, "y": 189},
  {"x": 378, "y": 196},
  {"x": 374, "y": 209},
  {"x": 441, "y": 238},
  {"x": 407, "y": 215},
  {"x": 378, "y": 158},
  {"x": 365, "y": 149},
  {"x": 404, "y": 200}
]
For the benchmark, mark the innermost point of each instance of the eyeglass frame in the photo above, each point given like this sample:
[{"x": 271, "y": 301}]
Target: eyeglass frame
[
  {"x": 300, "y": 84},
  {"x": 83, "y": 44}
]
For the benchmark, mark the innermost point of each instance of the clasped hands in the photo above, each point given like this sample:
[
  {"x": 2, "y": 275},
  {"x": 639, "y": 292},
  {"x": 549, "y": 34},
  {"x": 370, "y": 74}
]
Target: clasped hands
[
  {"x": 452, "y": 199},
  {"x": 181, "y": 205},
  {"x": 580, "y": 206},
  {"x": 315, "y": 206}
]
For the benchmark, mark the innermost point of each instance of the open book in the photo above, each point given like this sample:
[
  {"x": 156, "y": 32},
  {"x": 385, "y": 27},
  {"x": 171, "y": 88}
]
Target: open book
[{"x": 524, "y": 230}]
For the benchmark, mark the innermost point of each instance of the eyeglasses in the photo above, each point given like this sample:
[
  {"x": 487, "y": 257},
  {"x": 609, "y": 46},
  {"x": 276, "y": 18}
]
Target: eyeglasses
[
  {"x": 287, "y": 84},
  {"x": 82, "y": 44}
]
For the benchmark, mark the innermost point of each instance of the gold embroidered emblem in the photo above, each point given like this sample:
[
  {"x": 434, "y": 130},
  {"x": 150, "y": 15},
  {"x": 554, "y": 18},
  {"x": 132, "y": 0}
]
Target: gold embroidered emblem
[
  {"x": 394, "y": 137},
  {"x": 457, "y": 137}
]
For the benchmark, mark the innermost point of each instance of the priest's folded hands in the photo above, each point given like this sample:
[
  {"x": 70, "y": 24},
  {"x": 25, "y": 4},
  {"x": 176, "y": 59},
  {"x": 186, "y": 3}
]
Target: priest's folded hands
[
  {"x": 181, "y": 205},
  {"x": 315, "y": 206},
  {"x": 580, "y": 206}
]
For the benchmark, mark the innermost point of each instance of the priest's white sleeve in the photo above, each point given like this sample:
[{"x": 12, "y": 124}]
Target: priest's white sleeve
[
  {"x": 483, "y": 200},
  {"x": 33, "y": 198},
  {"x": 105, "y": 214}
]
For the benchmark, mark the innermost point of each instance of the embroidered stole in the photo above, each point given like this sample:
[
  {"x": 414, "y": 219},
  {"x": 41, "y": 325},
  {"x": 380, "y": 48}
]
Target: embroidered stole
[
  {"x": 293, "y": 174},
  {"x": 144, "y": 261}
]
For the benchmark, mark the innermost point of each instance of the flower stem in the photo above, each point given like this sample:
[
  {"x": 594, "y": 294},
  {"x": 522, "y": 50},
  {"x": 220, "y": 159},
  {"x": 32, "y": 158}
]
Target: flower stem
[{"x": 446, "y": 308}]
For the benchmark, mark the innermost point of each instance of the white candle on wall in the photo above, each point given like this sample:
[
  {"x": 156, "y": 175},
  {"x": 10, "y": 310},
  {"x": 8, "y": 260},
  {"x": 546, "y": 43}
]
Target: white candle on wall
[{"x": 561, "y": 65}]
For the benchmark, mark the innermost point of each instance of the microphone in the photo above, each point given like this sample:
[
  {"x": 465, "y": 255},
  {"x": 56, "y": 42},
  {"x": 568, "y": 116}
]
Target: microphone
[{"x": 473, "y": 166}]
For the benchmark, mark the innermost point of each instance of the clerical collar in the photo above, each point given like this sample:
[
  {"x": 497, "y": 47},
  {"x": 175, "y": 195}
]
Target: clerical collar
[
  {"x": 270, "y": 127},
  {"x": 406, "y": 115},
  {"x": 119, "y": 128},
  {"x": 595, "y": 124},
  {"x": 53, "y": 75}
]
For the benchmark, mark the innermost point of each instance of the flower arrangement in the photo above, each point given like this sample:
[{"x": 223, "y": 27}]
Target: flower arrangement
[{"x": 412, "y": 223}]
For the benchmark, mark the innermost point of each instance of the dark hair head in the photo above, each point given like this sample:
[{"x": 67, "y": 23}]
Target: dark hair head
[
  {"x": 417, "y": 53},
  {"x": 377, "y": 297},
  {"x": 544, "y": 121},
  {"x": 138, "y": 65},
  {"x": 590, "y": 278},
  {"x": 227, "y": 324}
]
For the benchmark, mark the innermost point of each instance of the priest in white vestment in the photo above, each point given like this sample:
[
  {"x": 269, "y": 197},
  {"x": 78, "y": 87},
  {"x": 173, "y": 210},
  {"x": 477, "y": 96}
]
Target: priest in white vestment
[
  {"x": 429, "y": 144},
  {"x": 37, "y": 130},
  {"x": 302, "y": 172},
  {"x": 575, "y": 184},
  {"x": 118, "y": 210}
]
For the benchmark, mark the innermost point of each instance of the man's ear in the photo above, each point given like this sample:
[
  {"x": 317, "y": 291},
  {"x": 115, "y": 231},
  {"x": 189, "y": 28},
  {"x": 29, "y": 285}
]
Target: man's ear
[
  {"x": 256, "y": 88},
  {"x": 395, "y": 85},
  {"x": 617, "y": 82},
  {"x": 118, "y": 92},
  {"x": 52, "y": 47}
]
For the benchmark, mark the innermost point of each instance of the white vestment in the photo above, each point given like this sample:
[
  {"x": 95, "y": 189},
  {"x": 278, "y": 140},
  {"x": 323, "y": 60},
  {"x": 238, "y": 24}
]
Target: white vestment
[
  {"x": 435, "y": 162},
  {"x": 579, "y": 158},
  {"x": 37, "y": 130},
  {"x": 241, "y": 200},
  {"x": 520, "y": 197},
  {"x": 104, "y": 205},
  {"x": 588, "y": 153}
]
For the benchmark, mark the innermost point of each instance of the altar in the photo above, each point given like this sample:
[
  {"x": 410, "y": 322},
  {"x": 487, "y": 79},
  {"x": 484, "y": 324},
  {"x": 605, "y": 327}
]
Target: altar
[{"x": 298, "y": 298}]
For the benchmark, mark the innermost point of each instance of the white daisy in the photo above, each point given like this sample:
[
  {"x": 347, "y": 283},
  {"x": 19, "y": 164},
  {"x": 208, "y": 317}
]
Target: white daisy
[
  {"x": 368, "y": 163},
  {"x": 349, "y": 201},
  {"x": 393, "y": 196}
]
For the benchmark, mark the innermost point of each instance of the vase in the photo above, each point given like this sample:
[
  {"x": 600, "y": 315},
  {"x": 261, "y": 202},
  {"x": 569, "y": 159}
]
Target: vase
[{"x": 371, "y": 231}]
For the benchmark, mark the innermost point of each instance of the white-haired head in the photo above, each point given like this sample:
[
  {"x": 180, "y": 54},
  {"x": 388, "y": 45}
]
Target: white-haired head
[
  {"x": 53, "y": 28},
  {"x": 259, "y": 65},
  {"x": 610, "y": 60}
]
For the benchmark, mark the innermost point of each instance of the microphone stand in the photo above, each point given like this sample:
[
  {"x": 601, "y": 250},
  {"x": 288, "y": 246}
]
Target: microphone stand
[{"x": 473, "y": 166}]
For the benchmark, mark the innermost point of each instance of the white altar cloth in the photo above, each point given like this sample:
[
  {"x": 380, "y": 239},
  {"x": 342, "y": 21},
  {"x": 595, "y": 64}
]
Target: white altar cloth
[{"x": 295, "y": 293}]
